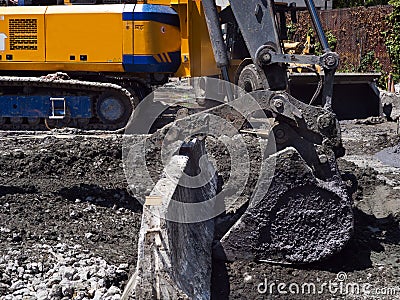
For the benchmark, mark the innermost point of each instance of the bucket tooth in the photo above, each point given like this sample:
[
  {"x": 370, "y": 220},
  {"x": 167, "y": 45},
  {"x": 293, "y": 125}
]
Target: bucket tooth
[{"x": 298, "y": 219}]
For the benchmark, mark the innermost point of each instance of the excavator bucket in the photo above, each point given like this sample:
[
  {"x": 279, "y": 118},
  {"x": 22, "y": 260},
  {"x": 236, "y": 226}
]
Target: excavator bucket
[
  {"x": 299, "y": 211},
  {"x": 355, "y": 95},
  {"x": 298, "y": 219}
]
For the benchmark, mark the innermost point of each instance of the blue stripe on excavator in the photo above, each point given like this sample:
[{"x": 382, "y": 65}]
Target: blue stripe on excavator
[
  {"x": 151, "y": 12},
  {"x": 148, "y": 64}
]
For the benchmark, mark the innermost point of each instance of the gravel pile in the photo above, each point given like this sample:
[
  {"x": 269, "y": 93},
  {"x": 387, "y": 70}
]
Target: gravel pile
[{"x": 59, "y": 272}]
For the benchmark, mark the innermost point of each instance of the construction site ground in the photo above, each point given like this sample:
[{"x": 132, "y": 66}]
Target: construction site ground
[{"x": 64, "y": 207}]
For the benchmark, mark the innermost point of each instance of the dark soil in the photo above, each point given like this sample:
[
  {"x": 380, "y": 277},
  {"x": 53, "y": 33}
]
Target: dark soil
[
  {"x": 371, "y": 257},
  {"x": 58, "y": 189}
]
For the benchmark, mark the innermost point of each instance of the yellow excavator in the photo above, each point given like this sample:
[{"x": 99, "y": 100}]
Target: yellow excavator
[{"x": 107, "y": 57}]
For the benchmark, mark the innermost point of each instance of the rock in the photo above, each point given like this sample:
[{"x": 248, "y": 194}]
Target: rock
[
  {"x": 100, "y": 282},
  {"x": 67, "y": 291},
  {"x": 121, "y": 275},
  {"x": 26, "y": 276},
  {"x": 17, "y": 285},
  {"x": 101, "y": 262},
  {"x": 16, "y": 237},
  {"x": 54, "y": 280},
  {"x": 113, "y": 290},
  {"x": 39, "y": 266},
  {"x": 56, "y": 292},
  {"x": 101, "y": 273},
  {"x": 18, "y": 153},
  {"x": 3, "y": 288},
  {"x": 69, "y": 273},
  {"x": 39, "y": 284},
  {"x": 99, "y": 294},
  {"x": 23, "y": 291},
  {"x": 390, "y": 104},
  {"x": 91, "y": 292},
  {"x": 90, "y": 208},
  {"x": 80, "y": 296},
  {"x": 42, "y": 294},
  {"x": 75, "y": 214},
  {"x": 93, "y": 270},
  {"x": 76, "y": 277},
  {"x": 77, "y": 264},
  {"x": 123, "y": 266},
  {"x": 34, "y": 268}
]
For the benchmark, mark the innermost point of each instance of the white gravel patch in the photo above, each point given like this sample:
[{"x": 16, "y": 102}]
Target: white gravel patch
[{"x": 58, "y": 272}]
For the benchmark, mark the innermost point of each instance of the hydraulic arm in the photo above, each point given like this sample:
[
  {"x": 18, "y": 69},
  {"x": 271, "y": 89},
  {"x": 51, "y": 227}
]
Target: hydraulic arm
[{"x": 306, "y": 207}]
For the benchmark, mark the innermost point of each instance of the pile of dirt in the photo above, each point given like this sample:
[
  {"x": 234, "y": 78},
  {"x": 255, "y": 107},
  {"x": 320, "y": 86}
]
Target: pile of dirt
[
  {"x": 71, "y": 190},
  {"x": 68, "y": 190}
]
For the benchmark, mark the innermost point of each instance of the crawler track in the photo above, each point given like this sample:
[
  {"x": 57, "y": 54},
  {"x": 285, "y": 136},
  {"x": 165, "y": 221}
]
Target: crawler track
[{"x": 54, "y": 86}]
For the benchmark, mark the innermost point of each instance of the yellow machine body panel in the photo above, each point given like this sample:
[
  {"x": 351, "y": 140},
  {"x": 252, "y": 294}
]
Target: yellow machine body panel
[
  {"x": 61, "y": 66},
  {"x": 22, "y": 35},
  {"x": 196, "y": 51},
  {"x": 151, "y": 37},
  {"x": 108, "y": 38},
  {"x": 92, "y": 34}
]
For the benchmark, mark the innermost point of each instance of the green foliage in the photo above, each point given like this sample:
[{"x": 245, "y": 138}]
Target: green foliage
[
  {"x": 352, "y": 3},
  {"x": 332, "y": 42},
  {"x": 347, "y": 68},
  {"x": 368, "y": 63},
  {"x": 392, "y": 38},
  {"x": 310, "y": 31},
  {"x": 382, "y": 80},
  {"x": 291, "y": 29}
]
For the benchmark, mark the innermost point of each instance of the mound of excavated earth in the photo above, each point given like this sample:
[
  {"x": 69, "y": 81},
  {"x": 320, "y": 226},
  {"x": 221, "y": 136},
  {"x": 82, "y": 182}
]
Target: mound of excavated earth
[{"x": 68, "y": 226}]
